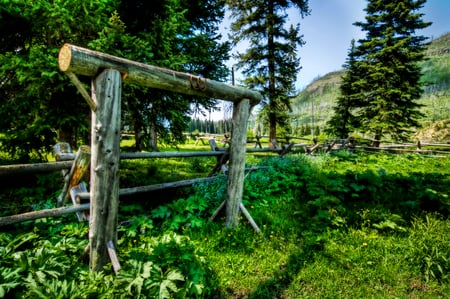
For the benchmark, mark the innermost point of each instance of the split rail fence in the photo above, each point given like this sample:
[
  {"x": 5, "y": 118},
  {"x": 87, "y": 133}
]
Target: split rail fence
[{"x": 102, "y": 160}]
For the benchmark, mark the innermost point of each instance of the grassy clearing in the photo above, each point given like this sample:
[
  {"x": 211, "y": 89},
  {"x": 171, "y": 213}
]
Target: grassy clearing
[
  {"x": 333, "y": 226},
  {"x": 345, "y": 226}
]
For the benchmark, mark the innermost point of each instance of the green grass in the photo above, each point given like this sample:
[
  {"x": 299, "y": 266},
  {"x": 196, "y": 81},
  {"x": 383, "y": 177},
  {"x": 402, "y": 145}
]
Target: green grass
[{"x": 332, "y": 226}]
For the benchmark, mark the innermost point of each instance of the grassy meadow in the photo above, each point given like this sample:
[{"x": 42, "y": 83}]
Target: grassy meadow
[{"x": 336, "y": 225}]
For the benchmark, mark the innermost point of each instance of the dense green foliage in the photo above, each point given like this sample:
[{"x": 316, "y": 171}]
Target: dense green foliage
[
  {"x": 37, "y": 101},
  {"x": 382, "y": 86},
  {"x": 39, "y": 105},
  {"x": 340, "y": 225},
  {"x": 270, "y": 62}
]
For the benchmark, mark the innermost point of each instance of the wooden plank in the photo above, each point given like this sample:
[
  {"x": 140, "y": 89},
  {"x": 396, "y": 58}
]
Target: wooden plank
[
  {"x": 113, "y": 257},
  {"x": 144, "y": 155},
  {"x": 87, "y": 62},
  {"x": 105, "y": 139},
  {"x": 82, "y": 91},
  {"x": 81, "y": 196},
  {"x": 144, "y": 189},
  {"x": 177, "y": 184},
  {"x": 249, "y": 218}
]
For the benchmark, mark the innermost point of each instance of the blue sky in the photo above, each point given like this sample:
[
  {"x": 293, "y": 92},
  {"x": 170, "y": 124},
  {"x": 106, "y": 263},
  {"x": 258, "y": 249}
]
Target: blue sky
[{"x": 328, "y": 31}]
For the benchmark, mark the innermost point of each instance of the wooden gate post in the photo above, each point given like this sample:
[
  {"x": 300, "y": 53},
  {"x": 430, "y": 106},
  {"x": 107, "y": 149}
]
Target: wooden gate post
[
  {"x": 241, "y": 111},
  {"x": 105, "y": 154}
]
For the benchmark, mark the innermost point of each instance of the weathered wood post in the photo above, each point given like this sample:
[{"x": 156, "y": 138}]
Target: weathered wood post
[
  {"x": 235, "y": 182},
  {"x": 105, "y": 155}
]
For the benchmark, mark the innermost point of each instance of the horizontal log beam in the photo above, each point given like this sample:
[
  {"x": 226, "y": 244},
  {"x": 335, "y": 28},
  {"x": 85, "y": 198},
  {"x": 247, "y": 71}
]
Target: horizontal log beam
[
  {"x": 7, "y": 220},
  {"x": 34, "y": 168},
  {"x": 81, "y": 61},
  {"x": 129, "y": 156},
  {"x": 149, "y": 188},
  {"x": 380, "y": 149},
  {"x": 125, "y": 156}
]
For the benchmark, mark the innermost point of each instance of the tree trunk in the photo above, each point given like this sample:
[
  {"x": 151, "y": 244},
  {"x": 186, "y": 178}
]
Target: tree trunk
[
  {"x": 105, "y": 167},
  {"x": 376, "y": 141},
  {"x": 153, "y": 137},
  {"x": 271, "y": 72}
]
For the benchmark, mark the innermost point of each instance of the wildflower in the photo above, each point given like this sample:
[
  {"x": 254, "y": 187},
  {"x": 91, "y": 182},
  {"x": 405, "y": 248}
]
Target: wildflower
[{"x": 365, "y": 244}]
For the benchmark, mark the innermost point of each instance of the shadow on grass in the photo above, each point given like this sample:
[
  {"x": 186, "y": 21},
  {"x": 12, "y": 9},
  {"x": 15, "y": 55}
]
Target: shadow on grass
[{"x": 282, "y": 278}]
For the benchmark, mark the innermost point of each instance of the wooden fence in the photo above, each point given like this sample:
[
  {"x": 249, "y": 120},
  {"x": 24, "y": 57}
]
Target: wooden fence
[
  {"x": 102, "y": 160},
  {"x": 68, "y": 162}
]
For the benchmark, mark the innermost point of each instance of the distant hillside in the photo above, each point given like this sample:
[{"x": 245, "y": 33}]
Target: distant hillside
[{"x": 314, "y": 104}]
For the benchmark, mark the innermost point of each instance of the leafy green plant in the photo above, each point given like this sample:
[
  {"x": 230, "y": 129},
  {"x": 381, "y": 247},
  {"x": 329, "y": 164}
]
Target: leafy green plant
[
  {"x": 166, "y": 267},
  {"x": 431, "y": 243},
  {"x": 9, "y": 279}
]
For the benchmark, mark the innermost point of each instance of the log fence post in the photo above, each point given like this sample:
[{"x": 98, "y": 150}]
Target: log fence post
[
  {"x": 105, "y": 154},
  {"x": 241, "y": 111}
]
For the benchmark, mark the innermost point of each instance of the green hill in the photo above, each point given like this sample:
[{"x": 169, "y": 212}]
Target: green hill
[{"x": 314, "y": 104}]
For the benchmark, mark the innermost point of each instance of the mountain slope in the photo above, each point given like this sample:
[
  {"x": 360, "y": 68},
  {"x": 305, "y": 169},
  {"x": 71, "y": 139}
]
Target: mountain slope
[{"x": 314, "y": 105}]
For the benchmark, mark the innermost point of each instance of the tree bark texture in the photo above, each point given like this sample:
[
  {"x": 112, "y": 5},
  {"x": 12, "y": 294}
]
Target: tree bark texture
[
  {"x": 81, "y": 61},
  {"x": 236, "y": 171},
  {"x": 105, "y": 152}
]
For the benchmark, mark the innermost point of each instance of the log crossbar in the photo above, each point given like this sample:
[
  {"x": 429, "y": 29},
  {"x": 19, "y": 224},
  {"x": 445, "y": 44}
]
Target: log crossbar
[{"x": 80, "y": 61}]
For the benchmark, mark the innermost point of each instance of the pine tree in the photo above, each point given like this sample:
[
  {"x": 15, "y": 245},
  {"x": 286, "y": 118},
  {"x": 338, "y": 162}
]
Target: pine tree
[
  {"x": 38, "y": 104},
  {"x": 183, "y": 36},
  {"x": 387, "y": 87},
  {"x": 343, "y": 121},
  {"x": 270, "y": 63}
]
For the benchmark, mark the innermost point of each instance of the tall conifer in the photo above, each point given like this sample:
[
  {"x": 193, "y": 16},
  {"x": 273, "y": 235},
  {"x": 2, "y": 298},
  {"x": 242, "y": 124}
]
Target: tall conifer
[
  {"x": 386, "y": 89},
  {"x": 270, "y": 63}
]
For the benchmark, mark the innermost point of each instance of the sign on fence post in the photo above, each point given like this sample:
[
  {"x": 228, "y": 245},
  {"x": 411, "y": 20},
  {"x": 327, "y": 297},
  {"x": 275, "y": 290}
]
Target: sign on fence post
[{"x": 105, "y": 154}]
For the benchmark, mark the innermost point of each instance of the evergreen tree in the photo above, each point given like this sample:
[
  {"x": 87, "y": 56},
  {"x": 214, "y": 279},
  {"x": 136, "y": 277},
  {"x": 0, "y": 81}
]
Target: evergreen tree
[
  {"x": 385, "y": 86},
  {"x": 38, "y": 103},
  {"x": 182, "y": 36},
  {"x": 270, "y": 63},
  {"x": 343, "y": 121}
]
